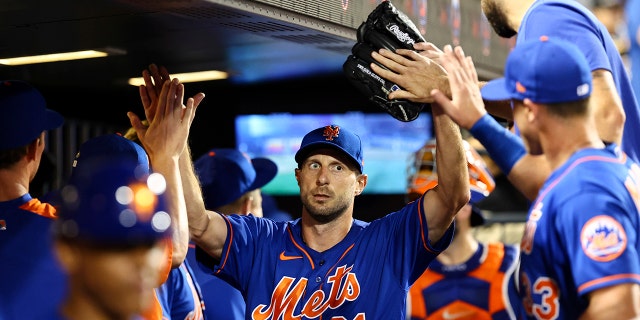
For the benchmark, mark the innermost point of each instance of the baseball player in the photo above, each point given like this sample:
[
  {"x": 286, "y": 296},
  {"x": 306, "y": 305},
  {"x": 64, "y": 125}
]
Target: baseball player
[
  {"x": 110, "y": 238},
  {"x": 177, "y": 294},
  {"x": 327, "y": 264},
  {"x": 180, "y": 296},
  {"x": 616, "y": 112},
  {"x": 470, "y": 280},
  {"x": 32, "y": 282},
  {"x": 579, "y": 251}
]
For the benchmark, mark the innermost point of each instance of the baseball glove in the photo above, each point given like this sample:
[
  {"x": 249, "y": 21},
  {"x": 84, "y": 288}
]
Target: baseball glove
[{"x": 385, "y": 27}]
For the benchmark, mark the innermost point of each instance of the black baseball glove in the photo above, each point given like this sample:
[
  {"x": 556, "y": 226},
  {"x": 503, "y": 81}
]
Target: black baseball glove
[{"x": 388, "y": 28}]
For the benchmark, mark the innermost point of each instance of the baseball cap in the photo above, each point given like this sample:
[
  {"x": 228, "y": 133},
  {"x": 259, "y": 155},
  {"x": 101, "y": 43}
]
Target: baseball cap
[
  {"x": 332, "y": 136},
  {"x": 226, "y": 174},
  {"x": 108, "y": 202},
  {"x": 545, "y": 70},
  {"x": 108, "y": 146},
  {"x": 24, "y": 114}
]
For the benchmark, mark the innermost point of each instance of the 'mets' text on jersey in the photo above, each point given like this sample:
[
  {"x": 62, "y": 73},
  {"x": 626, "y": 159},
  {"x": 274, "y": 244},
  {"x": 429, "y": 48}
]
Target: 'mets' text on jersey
[
  {"x": 581, "y": 233},
  {"x": 366, "y": 275}
]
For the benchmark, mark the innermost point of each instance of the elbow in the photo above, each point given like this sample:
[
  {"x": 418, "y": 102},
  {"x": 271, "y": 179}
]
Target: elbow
[{"x": 178, "y": 256}]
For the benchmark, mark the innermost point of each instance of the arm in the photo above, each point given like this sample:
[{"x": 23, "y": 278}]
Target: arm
[
  {"x": 466, "y": 108},
  {"x": 452, "y": 192},
  {"x": 164, "y": 139},
  {"x": 614, "y": 302},
  {"x": 607, "y": 107},
  {"x": 207, "y": 228}
]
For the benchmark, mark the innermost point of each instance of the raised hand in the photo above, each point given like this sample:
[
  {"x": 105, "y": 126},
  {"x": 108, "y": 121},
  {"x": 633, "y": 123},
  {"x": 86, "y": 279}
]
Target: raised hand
[
  {"x": 154, "y": 78},
  {"x": 168, "y": 130},
  {"x": 417, "y": 73},
  {"x": 465, "y": 106}
]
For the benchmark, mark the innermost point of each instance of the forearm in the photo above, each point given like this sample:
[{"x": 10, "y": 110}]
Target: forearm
[
  {"x": 453, "y": 175},
  {"x": 607, "y": 107},
  {"x": 526, "y": 172},
  {"x": 206, "y": 228},
  {"x": 169, "y": 168}
]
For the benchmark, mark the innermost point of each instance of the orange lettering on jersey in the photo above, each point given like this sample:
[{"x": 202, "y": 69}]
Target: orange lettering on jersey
[
  {"x": 344, "y": 286},
  {"x": 549, "y": 307}
]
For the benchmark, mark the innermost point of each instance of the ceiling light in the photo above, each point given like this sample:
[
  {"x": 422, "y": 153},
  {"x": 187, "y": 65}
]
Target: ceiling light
[
  {"x": 63, "y": 56},
  {"x": 189, "y": 77}
]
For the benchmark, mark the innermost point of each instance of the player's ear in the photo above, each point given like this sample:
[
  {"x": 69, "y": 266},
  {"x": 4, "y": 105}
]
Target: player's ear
[{"x": 361, "y": 182}]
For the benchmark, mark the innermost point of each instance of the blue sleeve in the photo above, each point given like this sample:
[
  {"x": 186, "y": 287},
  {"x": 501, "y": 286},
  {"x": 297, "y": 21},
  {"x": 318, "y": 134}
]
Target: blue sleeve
[
  {"x": 571, "y": 23},
  {"x": 601, "y": 240}
]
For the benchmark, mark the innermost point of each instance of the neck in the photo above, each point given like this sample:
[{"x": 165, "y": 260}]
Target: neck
[
  {"x": 577, "y": 135},
  {"x": 323, "y": 236},
  {"x": 460, "y": 250},
  {"x": 14, "y": 183},
  {"x": 515, "y": 11}
]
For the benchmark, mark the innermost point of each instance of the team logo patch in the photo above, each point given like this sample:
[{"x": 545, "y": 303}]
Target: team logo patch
[{"x": 603, "y": 238}]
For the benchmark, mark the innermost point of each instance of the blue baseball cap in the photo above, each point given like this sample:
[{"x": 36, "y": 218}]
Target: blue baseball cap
[
  {"x": 108, "y": 202},
  {"x": 112, "y": 145},
  {"x": 226, "y": 174},
  {"x": 24, "y": 114},
  {"x": 545, "y": 70},
  {"x": 332, "y": 136}
]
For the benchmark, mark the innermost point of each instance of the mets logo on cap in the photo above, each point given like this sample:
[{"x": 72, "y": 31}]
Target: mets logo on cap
[
  {"x": 331, "y": 132},
  {"x": 603, "y": 238}
]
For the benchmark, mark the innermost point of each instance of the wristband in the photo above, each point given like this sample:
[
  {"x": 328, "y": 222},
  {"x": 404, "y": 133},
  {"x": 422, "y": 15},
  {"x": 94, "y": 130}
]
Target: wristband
[{"x": 504, "y": 147}]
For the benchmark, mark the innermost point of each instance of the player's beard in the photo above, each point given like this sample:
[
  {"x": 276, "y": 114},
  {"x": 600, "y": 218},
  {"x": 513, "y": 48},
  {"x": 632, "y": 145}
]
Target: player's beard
[
  {"x": 325, "y": 214},
  {"x": 497, "y": 19}
]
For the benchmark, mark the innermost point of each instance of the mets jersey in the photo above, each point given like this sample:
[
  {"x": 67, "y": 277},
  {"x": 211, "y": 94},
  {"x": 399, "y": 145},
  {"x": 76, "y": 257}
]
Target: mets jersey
[
  {"x": 571, "y": 21},
  {"x": 221, "y": 300},
  {"x": 482, "y": 288},
  {"x": 33, "y": 283},
  {"x": 581, "y": 233},
  {"x": 365, "y": 276}
]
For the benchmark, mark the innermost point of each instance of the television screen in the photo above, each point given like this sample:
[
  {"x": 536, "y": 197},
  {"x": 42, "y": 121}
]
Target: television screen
[{"x": 387, "y": 145}]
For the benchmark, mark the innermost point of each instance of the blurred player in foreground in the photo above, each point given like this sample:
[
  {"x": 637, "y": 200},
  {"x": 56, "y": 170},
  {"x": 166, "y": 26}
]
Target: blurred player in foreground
[
  {"x": 110, "y": 238},
  {"x": 470, "y": 280}
]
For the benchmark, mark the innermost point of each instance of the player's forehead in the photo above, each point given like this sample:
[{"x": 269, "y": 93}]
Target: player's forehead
[{"x": 329, "y": 155}]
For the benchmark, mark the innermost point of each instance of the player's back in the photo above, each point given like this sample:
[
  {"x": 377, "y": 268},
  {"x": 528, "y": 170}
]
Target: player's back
[
  {"x": 33, "y": 283},
  {"x": 581, "y": 230}
]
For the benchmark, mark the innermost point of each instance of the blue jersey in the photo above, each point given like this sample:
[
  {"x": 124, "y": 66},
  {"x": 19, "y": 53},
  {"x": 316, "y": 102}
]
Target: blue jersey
[
  {"x": 33, "y": 283},
  {"x": 367, "y": 275},
  {"x": 483, "y": 287},
  {"x": 221, "y": 300},
  {"x": 569, "y": 20},
  {"x": 581, "y": 233},
  {"x": 180, "y": 295},
  {"x": 632, "y": 18}
]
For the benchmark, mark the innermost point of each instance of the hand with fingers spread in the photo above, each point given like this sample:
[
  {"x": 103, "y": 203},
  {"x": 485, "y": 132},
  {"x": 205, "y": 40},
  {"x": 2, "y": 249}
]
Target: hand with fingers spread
[
  {"x": 465, "y": 106},
  {"x": 413, "y": 71},
  {"x": 168, "y": 130},
  {"x": 154, "y": 79}
]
